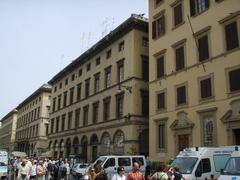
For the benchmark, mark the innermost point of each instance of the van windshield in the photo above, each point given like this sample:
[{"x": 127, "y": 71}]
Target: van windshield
[
  {"x": 185, "y": 164},
  {"x": 232, "y": 166}
]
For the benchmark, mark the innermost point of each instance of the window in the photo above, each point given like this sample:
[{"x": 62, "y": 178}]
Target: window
[
  {"x": 80, "y": 72},
  {"x": 106, "y": 108},
  {"x": 65, "y": 99},
  {"x": 87, "y": 87},
  {"x": 231, "y": 36},
  {"x": 55, "y": 88},
  {"x": 66, "y": 81},
  {"x": 206, "y": 88},
  {"x": 95, "y": 112},
  {"x": 71, "y": 95},
  {"x": 145, "y": 66},
  {"x": 85, "y": 116},
  {"x": 57, "y": 124},
  {"x": 120, "y": 70},
  {"x": 157, "y": 2},
  {"x": 161, "y": 101},
  {"x": 178, "y": 14},
  {"x": 179, "y": 58},
  {"x": 73, "y": 77},
  {"x": 70, "y": 120},
  {"x": 77, "y": 118},
  {"x": 119, "y": 105},
  {"x": 59, "y": 101},
  {"x": 160, "y": 67},
  {"x": 161, "y": 136},
  {"x": 60, "y": 85},
  {"x": 203, "y": 48},
  {"x": 98, "y": 60},
  {"x": 107, "y": 77},
  {"x": 79, "y": 89},
  {"x": 108, "y": 54},
  {"x": 198, "y": 6},
  {"x": 220, "y": 161},
  {"x": 234, "y": 80},
  {"x": 145, "y": 102},
  {"x": 181, "y": 95},
  {"x": 121, "y": 46},
  {"x": 158, "y": 27},
  {"x": 124, "y": 161},
  {"x": 96, "y": 82},
  {"x": 88, "y": 67},
  {"x": 204, "y": 166},
  {"x": 145, "y": 41},
  {"x": 110, "y": 163},
  {"x": 52, "y": 125},
  {"x": 63, "y": 122}
]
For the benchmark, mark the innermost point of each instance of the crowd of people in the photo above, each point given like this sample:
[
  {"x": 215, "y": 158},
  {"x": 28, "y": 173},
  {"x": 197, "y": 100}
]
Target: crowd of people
[
  {"x": 43, "y": 169},
  {"x": 33, "y": 169}
]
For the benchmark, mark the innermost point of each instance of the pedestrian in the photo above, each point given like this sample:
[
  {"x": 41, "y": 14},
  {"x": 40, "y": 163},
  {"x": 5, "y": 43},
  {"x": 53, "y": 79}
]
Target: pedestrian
[
  {"x": 160, "y": 174},
  {"x": 62, "y": 171},
  {"x": 100, "y": 173},
  {"x": 68, "y": 171},
  {"x": 23, "y": 171},
  {"x": 33, "y": 171},
  {"x": 120, "y": 174},
  {"x": 176, "y": 174},
  {"x": 90, "y": 174},
  {"x": 41, "y": 170},
  {"x": 135, "y": 174}
]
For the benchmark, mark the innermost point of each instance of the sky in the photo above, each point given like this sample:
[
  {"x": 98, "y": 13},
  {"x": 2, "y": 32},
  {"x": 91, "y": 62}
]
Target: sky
[{"x": 38, "y": 38}]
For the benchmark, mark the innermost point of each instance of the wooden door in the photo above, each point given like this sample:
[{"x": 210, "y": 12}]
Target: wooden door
[{"x": 183, "y": 141}]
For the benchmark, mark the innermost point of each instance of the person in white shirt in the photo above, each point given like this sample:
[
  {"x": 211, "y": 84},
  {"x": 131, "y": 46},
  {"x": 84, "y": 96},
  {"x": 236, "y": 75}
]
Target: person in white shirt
[{"x": 120, "y": 174}]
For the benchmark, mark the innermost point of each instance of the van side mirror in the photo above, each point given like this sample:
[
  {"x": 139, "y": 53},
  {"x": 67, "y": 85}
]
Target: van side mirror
[{"x": 198, "y": 173}]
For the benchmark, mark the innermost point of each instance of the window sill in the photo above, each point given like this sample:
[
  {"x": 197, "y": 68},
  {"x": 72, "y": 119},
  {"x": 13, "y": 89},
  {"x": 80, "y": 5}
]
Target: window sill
[
  {"x": 231, "y": 51},
  {"x": 207, "y": 100},
  {"x": 178, "y": 25},
  {"x": 233, "y": 93},
  {"x": 181, "y": 106},
  {"x": 199, "y": 13},
  {"x": 159, "y": 36},
  {"x": 159, "y": 111}
]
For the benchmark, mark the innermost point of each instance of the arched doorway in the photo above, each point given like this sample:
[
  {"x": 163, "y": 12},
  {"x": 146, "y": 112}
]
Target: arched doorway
[
  {"x": 94, "y": 146},
  {"x": 143, "y": 142},
  {"x": 61, "y": 148},
  {"x": 105, "y": 144},
  {"x": 75, "y": 146},
  {"x": 118, "y": 141},
  {"x": 68, "y": 147},
  {"x": 55, "y": 146},
  {"x": 84, "y": 144}
]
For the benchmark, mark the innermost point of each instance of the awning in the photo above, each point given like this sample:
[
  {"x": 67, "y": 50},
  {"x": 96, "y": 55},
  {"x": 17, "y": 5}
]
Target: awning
[{"x": 18, "y": 154}]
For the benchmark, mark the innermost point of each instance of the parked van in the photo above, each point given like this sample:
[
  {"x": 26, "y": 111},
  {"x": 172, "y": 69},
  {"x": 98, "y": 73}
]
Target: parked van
[
  {"x": 232, "y": 168},
  {"x": 111, "y": 163},
  {"x": 203, "y": 162},
  {"x": 3, "y": 163}
]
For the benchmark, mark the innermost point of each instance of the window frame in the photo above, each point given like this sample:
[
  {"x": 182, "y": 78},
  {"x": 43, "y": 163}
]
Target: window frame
[
  {"x": 202, "y": 78},
  {"x": 227, "y": 71},
  {"x": 164, "y": 92},
  {"x": 185, "y": 84},
  {"x": 159, "y": 25},
  {"x": 158, "y": 122},
  {"x": 174, "y": 5}
]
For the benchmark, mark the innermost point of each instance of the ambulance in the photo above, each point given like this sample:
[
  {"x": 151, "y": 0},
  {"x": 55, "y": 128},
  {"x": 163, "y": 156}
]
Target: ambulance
[
  {"x": 200, "y": 163},
  {"x": 3, "y": 163},
  {"x": 232, "y": 168}
]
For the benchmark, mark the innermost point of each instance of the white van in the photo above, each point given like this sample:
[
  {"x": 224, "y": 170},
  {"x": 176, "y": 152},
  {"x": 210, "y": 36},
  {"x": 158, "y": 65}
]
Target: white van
[
  {"x": 3, "y": 163},
  {"x": 111, "y": 163},
  {"x": 232, "y": 168},
  {"x": 201, "y": 162}
]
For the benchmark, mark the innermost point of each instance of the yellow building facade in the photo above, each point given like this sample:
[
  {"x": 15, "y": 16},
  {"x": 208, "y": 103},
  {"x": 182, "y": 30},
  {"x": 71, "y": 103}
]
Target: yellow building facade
[
  {"x": 99, "y": 102},
  {"x": 194, "y": 87},
  {"x": 32, "y": 122},
  {"x": 8, "y": 130}
]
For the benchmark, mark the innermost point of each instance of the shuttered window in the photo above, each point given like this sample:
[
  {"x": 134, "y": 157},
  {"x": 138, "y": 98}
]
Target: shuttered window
[
  {"x": 203, "y": 48},
  {"x": 231, "y": 34},
  {"x": 234, "y": 80},
  {"x": 180, "y": 58},
  {"x": 198, "y": 6},
  {"x": 158, "y": 27},
  {"x": 160, "y": 67},
  {"x": 178, "y": 17},
  {"x": 206, "y": 88},
  {"x": 181, "y": 95}
]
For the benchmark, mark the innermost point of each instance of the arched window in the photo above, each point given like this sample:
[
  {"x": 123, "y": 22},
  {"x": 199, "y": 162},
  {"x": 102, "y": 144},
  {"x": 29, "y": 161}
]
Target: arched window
[
  {"x": 118, "y": 143},
  {"x": 105, "y": 143}
]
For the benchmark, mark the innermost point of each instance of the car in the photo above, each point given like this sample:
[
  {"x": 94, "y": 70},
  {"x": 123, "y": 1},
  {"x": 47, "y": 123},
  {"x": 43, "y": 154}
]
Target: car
[
  {"x": 79, "y": 170},
  {"x": 3, "y": 170}
]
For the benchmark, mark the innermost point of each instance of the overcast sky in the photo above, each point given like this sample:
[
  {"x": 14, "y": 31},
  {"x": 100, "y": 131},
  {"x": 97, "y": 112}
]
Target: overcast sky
[{"x": 38, "y": 38}]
